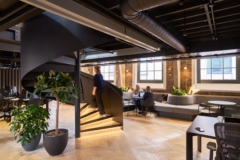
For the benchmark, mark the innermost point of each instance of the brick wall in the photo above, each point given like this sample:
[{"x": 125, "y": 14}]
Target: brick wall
[
  {"x": 117, "y": 75},
  {"x": 186, "y": 75},
  {"x": 128, "y": 75},
  {"x": 169, "y": 79}
]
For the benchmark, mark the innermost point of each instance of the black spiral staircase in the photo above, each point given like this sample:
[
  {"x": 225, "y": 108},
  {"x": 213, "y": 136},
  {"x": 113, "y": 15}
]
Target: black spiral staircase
[{"x": 50, "y": 42}]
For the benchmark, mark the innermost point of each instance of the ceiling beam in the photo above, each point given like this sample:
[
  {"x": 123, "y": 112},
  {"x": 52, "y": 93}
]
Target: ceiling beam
[
  {"x": 227, "y": 19},
  {"x": 222, "y": 44},
  {"x": 230, "y": 30},
  {"x": 213, "y": 18},
  {"x": 12, "y": 10},
  {"x": 199, "y": 31},
  {"x": 180, "y": 16},
  {"x": 163, "y": 52},
  {"x": 225, "y": 5},
  {"x": 23, "y": 15},
  {"x": 229, "y": 24},
  {"x": 161, "y": 11},
  {"x": 113, "y": 4},
  {"x": 228, "y": 7},
  {"x": 227, "y": 13},
  {"x": 9, "y": 47},
  {"x": 189, "y": 21},
  {"x": 208, "y": 18}
]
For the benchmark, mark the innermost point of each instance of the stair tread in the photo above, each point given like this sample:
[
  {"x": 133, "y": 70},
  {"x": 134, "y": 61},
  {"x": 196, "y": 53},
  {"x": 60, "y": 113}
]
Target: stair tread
[
  {"x": 83, "y": 106},
  {"x": 102, "y": 127},
  {"x": 101, "y": 124},
  {"x": 97, "y": 119},
  {"x": 87, "y": 114}
]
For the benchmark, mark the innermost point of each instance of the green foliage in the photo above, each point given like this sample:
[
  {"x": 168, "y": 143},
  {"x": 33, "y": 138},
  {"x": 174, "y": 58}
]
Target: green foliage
[
  {"x": 123, "y": 89},
  {"x": 178, "y": 91},
  {"x": 58, "y": 84},
  {"x": 28, "y": 122}
]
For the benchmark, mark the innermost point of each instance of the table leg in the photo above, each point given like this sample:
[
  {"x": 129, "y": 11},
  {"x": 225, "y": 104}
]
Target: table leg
[
  {"x": 222, "y": 110},
  {"x": 189, "y": 146},
  {"x": 199, "y": 141},
  {"x": 47, "y": 104}
]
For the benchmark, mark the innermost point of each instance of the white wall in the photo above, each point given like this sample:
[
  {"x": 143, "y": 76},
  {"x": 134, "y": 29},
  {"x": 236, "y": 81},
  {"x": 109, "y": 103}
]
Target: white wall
[
  {"x": 211, "y": 86},
  {"x": 152, "y": 85}
]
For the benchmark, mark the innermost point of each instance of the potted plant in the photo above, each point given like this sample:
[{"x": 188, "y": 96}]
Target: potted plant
[
  {"x": 178, "y": 91},
  {"x": 28, "y": 124},
  {"x": 61, "y": 86},
  {"x": 123, "y": 89}
]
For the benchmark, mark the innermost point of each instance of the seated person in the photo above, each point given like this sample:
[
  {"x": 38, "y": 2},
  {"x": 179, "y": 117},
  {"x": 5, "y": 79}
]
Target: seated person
[
  {"x": 137, "y": 90},
  {"x": 148, "y": 94}
]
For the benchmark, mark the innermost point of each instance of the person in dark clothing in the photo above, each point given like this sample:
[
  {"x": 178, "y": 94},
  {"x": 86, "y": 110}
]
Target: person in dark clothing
[
  {"x": 98, "y": 89},
  {"x": 147, "y": 94}
]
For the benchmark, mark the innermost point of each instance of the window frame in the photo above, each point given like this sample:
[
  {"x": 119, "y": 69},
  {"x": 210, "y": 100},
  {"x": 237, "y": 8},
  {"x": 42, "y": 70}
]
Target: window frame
[
  {"x": 237, "y": 80},
  {"x": 111, "y": 81},
  {"x": 148, "y": 81}
]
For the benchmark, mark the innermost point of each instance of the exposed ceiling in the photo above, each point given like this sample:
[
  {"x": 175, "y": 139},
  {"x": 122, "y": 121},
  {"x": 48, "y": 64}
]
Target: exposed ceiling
[{"x": 200, "y": 24}]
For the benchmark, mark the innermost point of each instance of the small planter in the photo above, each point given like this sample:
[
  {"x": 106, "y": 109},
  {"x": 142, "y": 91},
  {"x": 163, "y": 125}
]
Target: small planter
[
  {"x": 55, "y": 145},
  {"x": 33, "y": 144}
]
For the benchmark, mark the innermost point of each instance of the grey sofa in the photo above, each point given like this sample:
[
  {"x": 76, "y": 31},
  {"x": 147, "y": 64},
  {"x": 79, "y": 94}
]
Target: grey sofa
[{"x": 186, "y": 108}]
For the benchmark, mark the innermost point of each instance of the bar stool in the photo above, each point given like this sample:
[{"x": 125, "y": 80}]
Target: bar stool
[{"x": 212, "y": 147}]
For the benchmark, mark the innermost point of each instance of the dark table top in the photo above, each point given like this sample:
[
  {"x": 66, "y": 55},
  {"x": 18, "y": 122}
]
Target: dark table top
[{"x": 206, "y": 123}]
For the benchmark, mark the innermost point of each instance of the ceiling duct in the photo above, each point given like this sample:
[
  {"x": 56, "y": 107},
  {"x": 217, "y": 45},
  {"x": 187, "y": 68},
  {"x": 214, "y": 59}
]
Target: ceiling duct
[{"x": 132, "y": 10}]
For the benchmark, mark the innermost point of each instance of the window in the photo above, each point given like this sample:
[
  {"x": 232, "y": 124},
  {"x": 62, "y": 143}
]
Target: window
[
  {"x": 108, "y": 73},
  {"x": 150, "y": 72},
  {"x": 221, "y": 70}
]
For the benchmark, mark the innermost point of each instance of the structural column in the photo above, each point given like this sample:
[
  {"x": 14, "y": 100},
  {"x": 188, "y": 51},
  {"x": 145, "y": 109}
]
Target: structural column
[{"x": 77, "y": 100}]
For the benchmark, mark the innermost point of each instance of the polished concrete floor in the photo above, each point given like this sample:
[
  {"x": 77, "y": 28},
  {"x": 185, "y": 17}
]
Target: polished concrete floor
[{"x": 142, "y": 139}]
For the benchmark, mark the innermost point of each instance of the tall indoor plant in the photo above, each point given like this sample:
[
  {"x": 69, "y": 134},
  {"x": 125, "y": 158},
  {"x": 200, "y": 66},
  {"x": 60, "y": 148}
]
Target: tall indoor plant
[
  {"x": 61, "y": 86},
  {"x": 28, "y": 124}
]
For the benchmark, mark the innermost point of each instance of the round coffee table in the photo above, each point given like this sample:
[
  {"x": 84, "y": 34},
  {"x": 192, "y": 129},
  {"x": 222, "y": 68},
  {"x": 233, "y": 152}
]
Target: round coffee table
[{"x": 222, "y": 104}]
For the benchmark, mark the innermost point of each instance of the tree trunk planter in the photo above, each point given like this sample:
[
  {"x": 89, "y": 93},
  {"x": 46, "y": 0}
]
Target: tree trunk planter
[
  {"x": 33, "y": 144},
  {"x": 55, "y": 145}
]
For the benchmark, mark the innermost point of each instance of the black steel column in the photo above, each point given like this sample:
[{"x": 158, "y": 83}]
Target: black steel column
[{"x": 77, "y": 100}]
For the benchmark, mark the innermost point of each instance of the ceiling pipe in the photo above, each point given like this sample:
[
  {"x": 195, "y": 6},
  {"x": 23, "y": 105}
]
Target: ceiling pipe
[{"x": 132, "y": 10}]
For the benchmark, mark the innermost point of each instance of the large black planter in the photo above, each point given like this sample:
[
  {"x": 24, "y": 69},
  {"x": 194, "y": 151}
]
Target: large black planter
[
  {"x": 33, "y": 144},
  {"x": 55, "y": 145}
]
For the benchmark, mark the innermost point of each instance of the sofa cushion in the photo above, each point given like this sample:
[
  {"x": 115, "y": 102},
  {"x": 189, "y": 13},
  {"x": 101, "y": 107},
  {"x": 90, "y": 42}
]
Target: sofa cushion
[
  {"x": 164, "y": 107},
  {"x": 181, "y": 100},
  {"x": 206, "y": 98},
  {"x": 187, "y": 109},
  {"x": 158, "y": 96}
]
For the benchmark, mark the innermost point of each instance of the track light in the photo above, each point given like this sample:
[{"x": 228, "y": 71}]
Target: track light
[
  {"x": 185, "y": 33},
  {"x": 211, "y": 5},
  {"x": 181, "y": 2}
]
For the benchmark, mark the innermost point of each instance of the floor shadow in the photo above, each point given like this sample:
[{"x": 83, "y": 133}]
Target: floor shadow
[{"x": 40, "y": 146}]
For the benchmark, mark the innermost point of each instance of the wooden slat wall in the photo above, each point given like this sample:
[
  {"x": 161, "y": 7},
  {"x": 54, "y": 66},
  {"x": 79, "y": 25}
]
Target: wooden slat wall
[{"x": 10, "y": 77}]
